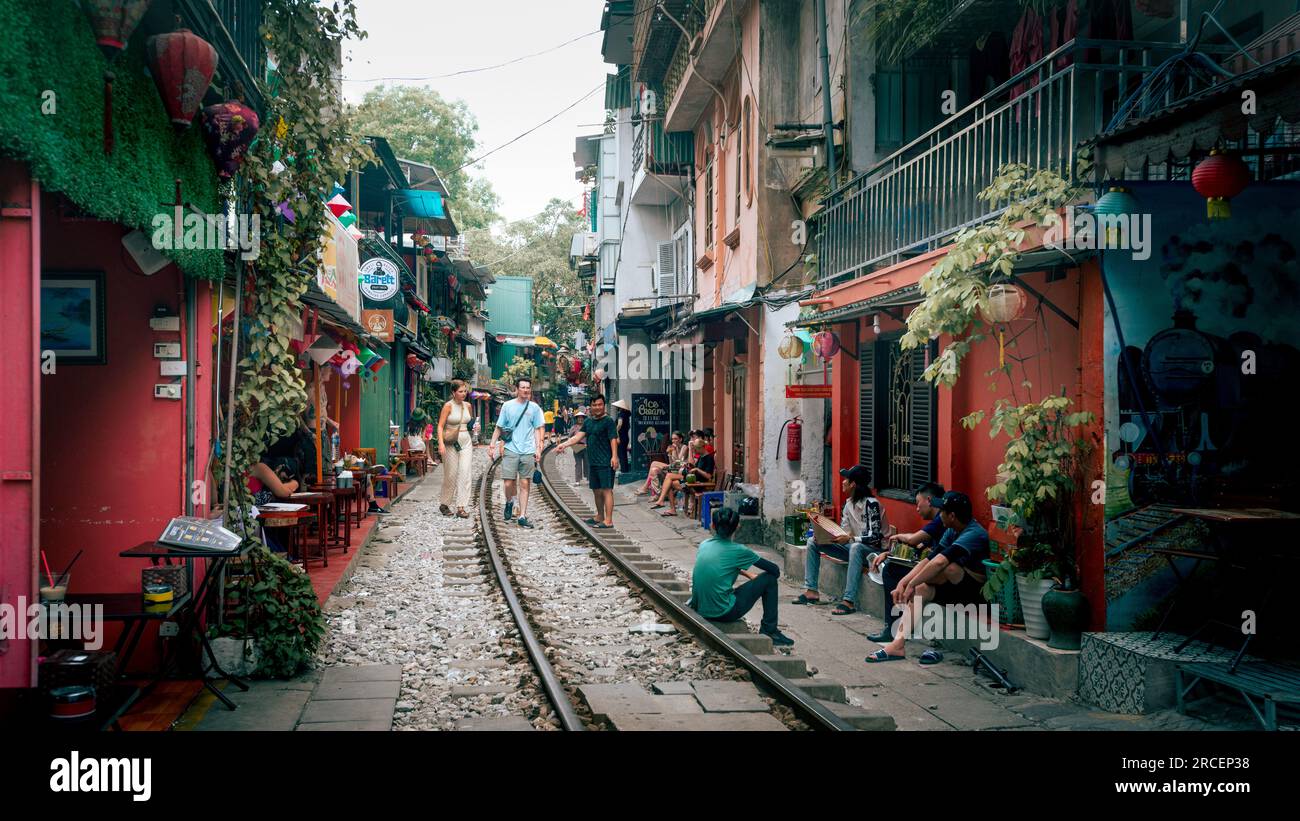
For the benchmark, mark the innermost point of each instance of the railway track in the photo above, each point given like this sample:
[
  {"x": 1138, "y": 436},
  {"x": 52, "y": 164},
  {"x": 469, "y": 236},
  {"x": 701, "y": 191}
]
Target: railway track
[{"x": 592, "y": 612}]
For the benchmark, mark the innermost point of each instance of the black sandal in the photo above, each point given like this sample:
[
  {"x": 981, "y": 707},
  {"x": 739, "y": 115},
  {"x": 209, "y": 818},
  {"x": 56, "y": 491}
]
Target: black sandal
[
  {"x": 444, "y": 510},
  {"x": 844, "y": 609},
  {"x": 805, "y": 600}
]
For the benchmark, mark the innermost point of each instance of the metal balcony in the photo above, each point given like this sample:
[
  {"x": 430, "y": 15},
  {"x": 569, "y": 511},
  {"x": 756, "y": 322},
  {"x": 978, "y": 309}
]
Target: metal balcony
[{"x": 917, "y": 198}]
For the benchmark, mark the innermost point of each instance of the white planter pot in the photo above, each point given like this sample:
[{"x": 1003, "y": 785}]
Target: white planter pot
[
  {"x": 1031, "y": 602},
  {"x": 230, "y": 654}
]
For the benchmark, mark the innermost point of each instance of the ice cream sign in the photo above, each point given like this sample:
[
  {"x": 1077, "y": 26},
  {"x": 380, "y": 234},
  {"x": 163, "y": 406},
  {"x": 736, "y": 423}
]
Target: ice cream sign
[{"x": 379, "y": 279}]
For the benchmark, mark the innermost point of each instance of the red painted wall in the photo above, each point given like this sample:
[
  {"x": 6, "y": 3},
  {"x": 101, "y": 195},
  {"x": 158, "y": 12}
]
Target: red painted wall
[
  {"x": 20, "y": 374},
  {"x": 112, "y": 455}
]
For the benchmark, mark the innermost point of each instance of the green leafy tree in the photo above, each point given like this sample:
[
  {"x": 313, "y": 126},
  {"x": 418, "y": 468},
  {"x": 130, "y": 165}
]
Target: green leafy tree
[{"x": 421, "y": 125}]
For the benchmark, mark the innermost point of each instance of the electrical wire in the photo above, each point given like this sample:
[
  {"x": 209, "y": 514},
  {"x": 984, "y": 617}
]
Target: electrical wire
[{"x": 469, "y": 70}]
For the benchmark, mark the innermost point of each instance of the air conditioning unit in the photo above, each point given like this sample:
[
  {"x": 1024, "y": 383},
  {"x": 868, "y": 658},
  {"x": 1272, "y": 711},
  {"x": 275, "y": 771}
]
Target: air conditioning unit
[{"x": 636, "y": 307}]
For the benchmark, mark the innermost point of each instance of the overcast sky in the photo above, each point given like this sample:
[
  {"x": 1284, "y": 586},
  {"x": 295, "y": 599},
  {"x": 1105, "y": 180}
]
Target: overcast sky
[{"x": 436, "y": 37}]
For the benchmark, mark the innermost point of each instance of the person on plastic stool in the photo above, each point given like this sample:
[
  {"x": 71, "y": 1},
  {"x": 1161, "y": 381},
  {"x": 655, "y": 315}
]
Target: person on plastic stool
[
  {"x": 717, "y": 564},
  {"x": 864, "y": 520}
]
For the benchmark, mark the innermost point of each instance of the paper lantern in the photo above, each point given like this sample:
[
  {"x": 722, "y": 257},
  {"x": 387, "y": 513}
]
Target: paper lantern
[
  {"x": 790, "y": 347},
  {"x": 1115, "y": 202},
  {"x": 338, "y": 206},
  {"x": 228, "y": 128},
  {"x": 1219, "y": 178},
  {"x": 113, "y": 21},
  {"x": 1003, "y": 304},
  {"x": 182, "y": 64},
  {"x": 826, "y": 344},
  {"x": 599, "y": 375}
]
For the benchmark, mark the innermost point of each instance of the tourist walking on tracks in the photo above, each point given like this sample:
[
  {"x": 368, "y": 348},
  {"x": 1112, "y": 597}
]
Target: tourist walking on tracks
[
  {"x": 601, "y": 438},
  {"x": 519, "y": 429},
  {"x": 456, "y": 449},
  {"x": 717, "y": 563}
]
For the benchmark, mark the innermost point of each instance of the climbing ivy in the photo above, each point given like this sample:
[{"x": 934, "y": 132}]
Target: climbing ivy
[{"x": 305, "y": 144}]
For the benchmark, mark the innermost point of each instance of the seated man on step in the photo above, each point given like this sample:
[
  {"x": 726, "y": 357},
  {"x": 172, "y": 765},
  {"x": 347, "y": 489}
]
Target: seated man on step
[
  {"x": 863, "y": 519},
  {"x": 953, "y": 573},
  {"x": 718, "y": 563}
]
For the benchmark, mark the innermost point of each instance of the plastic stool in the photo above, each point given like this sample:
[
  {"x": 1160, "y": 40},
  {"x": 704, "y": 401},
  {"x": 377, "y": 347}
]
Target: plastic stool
[{"x": 707, "y": 501}]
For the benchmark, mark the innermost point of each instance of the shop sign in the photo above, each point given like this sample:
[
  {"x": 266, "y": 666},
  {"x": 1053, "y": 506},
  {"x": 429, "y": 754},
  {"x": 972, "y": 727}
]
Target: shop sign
[
  {"x": 379, "y": 279},
  {"x": 650, "y": 425},
  {"x": 379, "y": 323},
  {"x": 807, "y": 391},
  {"x": 338, "y": 267}
]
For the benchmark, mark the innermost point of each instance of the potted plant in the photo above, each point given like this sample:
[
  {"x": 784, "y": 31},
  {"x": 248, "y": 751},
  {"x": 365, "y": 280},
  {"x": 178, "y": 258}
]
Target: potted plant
[{"x": 1037, "y": 481}]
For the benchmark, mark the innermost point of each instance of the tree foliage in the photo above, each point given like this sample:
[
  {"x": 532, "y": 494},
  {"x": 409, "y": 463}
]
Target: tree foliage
[{"x": 421, "y": 125}]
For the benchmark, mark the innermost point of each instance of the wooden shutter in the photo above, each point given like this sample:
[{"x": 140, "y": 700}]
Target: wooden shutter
[
  {"x": 867, "y": 406},
  {"x": 667, "y": 270},
  {"x": 924, "y": 419}
]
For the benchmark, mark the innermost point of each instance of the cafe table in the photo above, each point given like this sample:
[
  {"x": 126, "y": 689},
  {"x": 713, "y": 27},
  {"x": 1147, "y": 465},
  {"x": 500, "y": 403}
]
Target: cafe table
[
  {"x": 322, "y": 503},
  {"x": 1244, "y": 541},
  {"x": 158, "y": 553},
  {"x": 292, "y": 522}
]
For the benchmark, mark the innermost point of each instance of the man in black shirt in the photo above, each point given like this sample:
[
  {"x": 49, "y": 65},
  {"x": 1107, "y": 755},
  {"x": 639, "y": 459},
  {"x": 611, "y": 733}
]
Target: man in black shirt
[{"x": 601, "y": 436}]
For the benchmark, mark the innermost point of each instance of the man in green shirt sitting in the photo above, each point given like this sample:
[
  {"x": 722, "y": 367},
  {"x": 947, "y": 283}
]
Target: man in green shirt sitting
[{"x": 717, "y": 564}]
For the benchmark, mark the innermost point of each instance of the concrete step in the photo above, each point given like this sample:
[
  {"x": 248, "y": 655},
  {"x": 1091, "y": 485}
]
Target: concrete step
[
  {"x": 755, "y": 643},
  {"x": 735, "y": 627},
  {"x": 682, "y": 597},
  {"x": 660, "y": 576},
  {"x": 860, "y": 718},
  {"x": 822, "y": 689},
  {"x": 788, "y": 666}
]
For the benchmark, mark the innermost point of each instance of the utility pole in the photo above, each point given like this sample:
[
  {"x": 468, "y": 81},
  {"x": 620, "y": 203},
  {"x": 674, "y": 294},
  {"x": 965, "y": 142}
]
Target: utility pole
[{"x": 828, "y": 121}]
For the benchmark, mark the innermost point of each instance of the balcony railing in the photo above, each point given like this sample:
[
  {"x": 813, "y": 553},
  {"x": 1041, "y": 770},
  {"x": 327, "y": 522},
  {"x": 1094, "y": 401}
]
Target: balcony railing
[
  {"x": 915, "y": 199},
  {"x": 694, "y": 21},
  {"x": 661, "y": 152},
  {"x": 234, "y": 29}
]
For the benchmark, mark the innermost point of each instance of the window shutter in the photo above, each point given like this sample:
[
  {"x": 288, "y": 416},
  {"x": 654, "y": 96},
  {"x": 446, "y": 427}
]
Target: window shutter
[
  {"x": 924, "y": 419},
  {"x": 667, "y": 270},
  {"x": 867, "y": 407}
]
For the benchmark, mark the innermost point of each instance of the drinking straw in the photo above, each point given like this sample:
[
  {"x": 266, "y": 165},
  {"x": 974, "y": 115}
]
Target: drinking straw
[
  {"x": 68, "y": 569},
  {"x": 46, "y": 562}
]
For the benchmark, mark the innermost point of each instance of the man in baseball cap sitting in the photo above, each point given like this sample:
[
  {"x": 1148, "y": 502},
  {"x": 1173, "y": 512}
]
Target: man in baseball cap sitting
[{"x": 953, "y": 573}]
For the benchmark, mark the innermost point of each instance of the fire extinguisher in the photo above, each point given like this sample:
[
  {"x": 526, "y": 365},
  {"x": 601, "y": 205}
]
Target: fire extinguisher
[{"x": 793, "y": 439}]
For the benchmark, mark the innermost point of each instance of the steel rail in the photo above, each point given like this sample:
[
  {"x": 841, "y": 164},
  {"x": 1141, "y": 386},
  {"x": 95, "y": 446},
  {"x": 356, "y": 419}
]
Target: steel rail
[
  {"x": 569, "y": 719},
  {"x": 805, "y": 706}
]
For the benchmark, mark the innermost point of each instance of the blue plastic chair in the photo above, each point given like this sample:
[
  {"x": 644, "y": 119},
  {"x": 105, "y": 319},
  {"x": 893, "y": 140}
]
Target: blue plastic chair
[{"x": 707, "y": 501}]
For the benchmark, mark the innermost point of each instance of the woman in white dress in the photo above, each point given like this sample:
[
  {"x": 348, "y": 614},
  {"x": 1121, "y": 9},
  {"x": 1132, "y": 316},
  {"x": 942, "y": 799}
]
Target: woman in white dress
[{"x": 457, "y": 450}]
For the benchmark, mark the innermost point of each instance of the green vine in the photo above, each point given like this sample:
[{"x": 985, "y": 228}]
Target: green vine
[{"x": 296, "y": 162}]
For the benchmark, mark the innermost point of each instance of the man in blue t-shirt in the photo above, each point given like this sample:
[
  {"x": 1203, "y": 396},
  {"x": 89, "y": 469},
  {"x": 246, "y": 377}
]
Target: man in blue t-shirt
[
  {"x": 953, "y": 572},
  {"x": 523, "y": 418},
  {"x": 928, "y": 496}
]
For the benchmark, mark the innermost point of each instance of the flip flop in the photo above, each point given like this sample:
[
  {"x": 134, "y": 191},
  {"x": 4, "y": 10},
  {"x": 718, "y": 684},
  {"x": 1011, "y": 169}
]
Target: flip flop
[
  {"x": 805, "y": 600},
  {"x": 601, "y": 526},
  {"x": 931, "y": 657},
  {"x": 880, "y": 655},
  {"x": 657, "y": 505},
  {"x": 590, "y": 521},
  {"x": 844, "y": 609},
  {"x": 669, "y": 513}
]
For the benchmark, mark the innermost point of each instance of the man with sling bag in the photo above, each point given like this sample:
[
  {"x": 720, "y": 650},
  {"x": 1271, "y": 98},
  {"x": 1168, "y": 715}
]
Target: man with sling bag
[{"x": 519, "y": 428}]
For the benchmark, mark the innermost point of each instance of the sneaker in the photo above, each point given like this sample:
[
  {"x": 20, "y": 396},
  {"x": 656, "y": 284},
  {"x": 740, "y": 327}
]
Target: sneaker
[
  {"x": 779, "y": 639},
  {"x": 510, "y": 509},
  {"x": 379, "y": 511},
  {"x": 523, "y": 522}
]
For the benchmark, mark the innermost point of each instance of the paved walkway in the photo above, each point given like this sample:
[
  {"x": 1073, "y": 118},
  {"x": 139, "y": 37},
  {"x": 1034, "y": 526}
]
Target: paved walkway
[{"x": 944, "y": 696}]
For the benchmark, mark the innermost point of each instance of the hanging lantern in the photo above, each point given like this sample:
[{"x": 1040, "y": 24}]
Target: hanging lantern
[
  {"x": 412, "y": 361},
  {"x": 348, "y": 219},
  {"x": 182, "y": 64},
  {"x": 826, "y": 344},
  {"x": 228, "y": 128},
  {"x": 1219, "y": 178},
  {"x": 113, "y": 23},
  {"x": 452, "y": 281},
  {"x": 790, "y": 347},
  {"x": 1003, "y": 304},
  {"x": 599, "y": 375},
  {"x": 1118, "y": 201},
  {"x": 338, "y": 206}
]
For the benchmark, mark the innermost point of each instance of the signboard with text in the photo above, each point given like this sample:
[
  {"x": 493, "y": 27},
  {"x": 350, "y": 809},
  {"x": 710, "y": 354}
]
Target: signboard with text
[
  {"x": 379, "y": 323},
  {"x": 807, "y": 391},
  {"x": 379, "y": 279},
  {"x": 650, "y": 423}
]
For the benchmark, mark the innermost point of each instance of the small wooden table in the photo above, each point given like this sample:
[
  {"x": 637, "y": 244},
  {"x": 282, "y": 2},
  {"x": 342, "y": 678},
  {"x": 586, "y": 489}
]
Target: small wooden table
[
  {"x": 323, "y": 503},
  {"x": 299, "y": 519}
]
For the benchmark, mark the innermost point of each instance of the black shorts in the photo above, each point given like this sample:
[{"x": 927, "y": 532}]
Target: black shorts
[
  {"x": 600, "y": 477},
  {"x": 966, "y": 591}
]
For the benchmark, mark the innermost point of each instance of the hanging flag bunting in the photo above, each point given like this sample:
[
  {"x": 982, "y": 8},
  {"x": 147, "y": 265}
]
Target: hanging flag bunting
[{"x": 338, "y": 205}]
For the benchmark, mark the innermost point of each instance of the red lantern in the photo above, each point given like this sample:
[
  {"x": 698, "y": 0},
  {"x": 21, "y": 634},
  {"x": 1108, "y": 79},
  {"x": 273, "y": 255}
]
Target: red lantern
[
  {"x": 113, "y": 22},
  {"x": 182, "y": 64},
  {"x": 1219, "y": 178},
  {"x": 228, "y": 128}
]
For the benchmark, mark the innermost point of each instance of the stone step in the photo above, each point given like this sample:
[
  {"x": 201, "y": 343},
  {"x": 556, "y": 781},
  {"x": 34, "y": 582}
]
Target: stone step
[
  {"x": 755, "y": 643},
  {"x": 822, "y": 689},
  {"x": 859, "y": 718},
  {"x": 789, "y": 666}
]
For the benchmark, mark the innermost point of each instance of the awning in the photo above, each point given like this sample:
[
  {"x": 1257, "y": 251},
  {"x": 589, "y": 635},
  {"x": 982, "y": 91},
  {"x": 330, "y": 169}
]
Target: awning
[
  {"x": 910, "y": 295},
  {"x": 1202, "y": 120},
  {"x": 543, "y": 342},
  {"x": 642, "y": 320},
  {"x": 517, "y": 340},
  {"x": 330, "y": 310},
  {"x": 420, "y": 204}
]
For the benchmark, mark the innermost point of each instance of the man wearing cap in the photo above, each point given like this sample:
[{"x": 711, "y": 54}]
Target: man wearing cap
[
  {"x": 928, "y": 496},
  {"x": 864, "y": 520},
  {"x": 953, "y": 573},
  {"x": 579, "y": 450}
]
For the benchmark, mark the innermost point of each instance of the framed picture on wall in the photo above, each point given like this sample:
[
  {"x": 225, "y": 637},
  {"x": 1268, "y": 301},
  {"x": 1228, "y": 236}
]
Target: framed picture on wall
[{"x": 72, "y": 317}]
